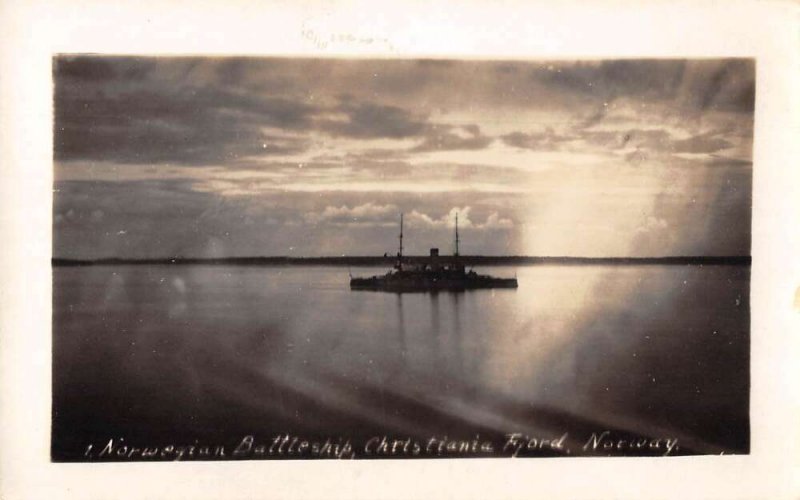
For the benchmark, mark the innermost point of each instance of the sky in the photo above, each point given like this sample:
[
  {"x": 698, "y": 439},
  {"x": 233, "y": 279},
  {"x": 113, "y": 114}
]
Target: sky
[{"x": 159, "y": 157}]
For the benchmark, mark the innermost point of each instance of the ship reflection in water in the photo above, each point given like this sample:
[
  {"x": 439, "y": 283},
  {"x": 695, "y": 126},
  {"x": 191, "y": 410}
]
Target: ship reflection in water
[{"x": 434, "y": 274}]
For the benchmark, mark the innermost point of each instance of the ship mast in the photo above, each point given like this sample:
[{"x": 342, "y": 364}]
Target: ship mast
[
  {"x": 400, "y": 252},
  {"x": 456, "y": 254}
]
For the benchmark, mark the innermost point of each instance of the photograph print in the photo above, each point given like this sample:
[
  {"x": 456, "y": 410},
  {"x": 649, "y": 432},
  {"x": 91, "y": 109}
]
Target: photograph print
[{"x": 272, "y": 258}]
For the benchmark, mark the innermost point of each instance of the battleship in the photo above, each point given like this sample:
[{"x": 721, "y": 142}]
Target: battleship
[{"x": 432, "y": 274}]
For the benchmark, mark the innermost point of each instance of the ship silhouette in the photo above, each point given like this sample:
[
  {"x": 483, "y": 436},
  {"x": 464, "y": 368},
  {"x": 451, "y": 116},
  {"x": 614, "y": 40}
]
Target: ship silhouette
[{"x": 432, "y": 274}]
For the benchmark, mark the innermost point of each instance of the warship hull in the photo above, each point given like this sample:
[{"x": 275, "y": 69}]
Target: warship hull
[{"x": 414, "y": 282}]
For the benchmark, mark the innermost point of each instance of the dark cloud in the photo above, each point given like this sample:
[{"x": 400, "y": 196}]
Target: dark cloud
[
  {"x": 187, "y": 111},
  {"x": 199, "y": 111},
  {"x": 725, "y": 86},
  {"x": 659, "y": 141},
  {"x": 605, "y": 80},
  {"x": 652, "y": 139},
  {"x": 595, "y": 117},
  {"x": 365, "y": 120},
  {"x": 232, "y": 71},
  {"x": 170, "y": 124},
  {"x": 376, "y": 154},
  {"x": 647, "y": 142},
  {"x": 83, "y": 69},
  {"x": 609, "y": 140},
  {"x": 547, "y": 140},
  {"x": 447, "y": 137},
  {"x": 722, "y": 161},
  {"x": 102, "y": 69}
]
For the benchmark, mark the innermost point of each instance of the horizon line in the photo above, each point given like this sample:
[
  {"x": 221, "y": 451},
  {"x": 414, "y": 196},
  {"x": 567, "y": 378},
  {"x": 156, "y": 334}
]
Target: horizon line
[{"x": 372, "y": 259}]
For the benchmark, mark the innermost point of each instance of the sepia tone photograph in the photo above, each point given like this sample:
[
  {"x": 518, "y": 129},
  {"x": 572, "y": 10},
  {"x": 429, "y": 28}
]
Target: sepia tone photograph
[{"x": 328, "y": 258}]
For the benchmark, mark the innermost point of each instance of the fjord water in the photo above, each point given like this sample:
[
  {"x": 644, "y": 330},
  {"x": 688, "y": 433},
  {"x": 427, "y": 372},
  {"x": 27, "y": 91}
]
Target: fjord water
[{"x": 208, "y": 353}]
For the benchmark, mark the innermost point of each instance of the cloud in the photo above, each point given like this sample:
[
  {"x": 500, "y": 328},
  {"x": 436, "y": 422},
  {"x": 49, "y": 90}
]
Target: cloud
[
  {"x": 605, "y": 80},
  {"x": 372, "y": 214},
  {"x": 648, "y": 143},
  {"x": 717, "y": 160},
  {"x": 82, "y": 68},
  {"x": 373, "y": 155},
  {"x": 180, "y": 124},
  {"x": 368, "y": 213},
  {"x": 365, "y": 120},
  {"x": 637, "y": 157},
  {"x": 493, "y": 220},
  {"x": 447, "y": 137},
  {"x": 218, "y": 155},
  {"x": 547, "y": 140},
  {"x": 652, "y": 224},
  {"x": 708, "y": 142},
  {"x": 214, "y": 111},
  {"x": 637, "y": 144},
  {"x": 724, "y": 85},
  {"x": 595, "y": 117},
  {"x": 103, "y": 69}
]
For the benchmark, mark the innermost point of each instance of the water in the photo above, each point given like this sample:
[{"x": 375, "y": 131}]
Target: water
[{"x": 161, "y": 355}]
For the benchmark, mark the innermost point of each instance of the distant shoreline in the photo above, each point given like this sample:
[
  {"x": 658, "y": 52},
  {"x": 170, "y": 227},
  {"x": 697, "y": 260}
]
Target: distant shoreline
[{"x": 366, "y": 261}]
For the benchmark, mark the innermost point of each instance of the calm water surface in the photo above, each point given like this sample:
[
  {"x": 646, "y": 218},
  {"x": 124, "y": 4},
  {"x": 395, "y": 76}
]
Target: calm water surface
[{"x": 165, "y": 354}]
